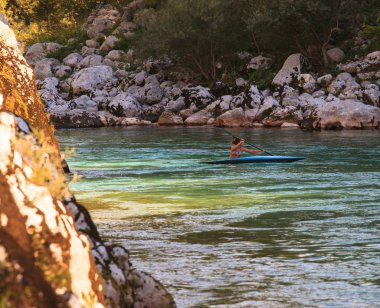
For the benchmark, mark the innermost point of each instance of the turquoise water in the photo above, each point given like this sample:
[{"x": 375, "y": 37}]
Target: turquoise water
[{"x": 304, "y": 234}]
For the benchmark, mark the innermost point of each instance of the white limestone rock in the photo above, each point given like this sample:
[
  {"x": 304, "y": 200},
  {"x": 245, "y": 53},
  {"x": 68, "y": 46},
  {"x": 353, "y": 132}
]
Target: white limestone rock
[
  {"x": 116, "y": 55},
  {"x": 125, "y": 105},
  {"x": 199, "y": 96},
  {"x": 45, "y": 68},
  {"x": 152, "y": 91},
  {"x": 347, "y": 114},
  {"x": 176, "y": 105},
  {"x": 254, "y": 97},
  {"x": 108, "y": 44},
  {"x": 90, "y": 79},
  {"x": 39, "y": 51},
  {"x": 62, "y": 71},
  {"x": 170, "y": 118},
  {"x": 259, "y": 63},
  {"x": 290, "y": 97},
  {"x": 267, "y": 107},
  {"x": 48, "y": 90},
  {"x": 307, "y": 83},
  {"x": 89, "y": 61},
  {"x": 371, "y": 95},
  {"x": 325, "y": 80},
  {"x": 231, "y": 118},
  {"x": 72, "y": 59},
  {"x": 335, "y": 55},
  {"x": 290, "y": 71},
  {"x": 84, "y": 102},
  {"x": 199, "y": 118}
]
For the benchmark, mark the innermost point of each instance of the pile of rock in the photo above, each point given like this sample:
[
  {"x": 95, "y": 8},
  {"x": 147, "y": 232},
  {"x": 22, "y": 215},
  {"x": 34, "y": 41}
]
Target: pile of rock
[{"x": 98, "y": 87}]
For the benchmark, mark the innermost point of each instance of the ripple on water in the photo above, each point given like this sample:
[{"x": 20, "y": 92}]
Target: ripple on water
[{"x": 276, "y": 235}]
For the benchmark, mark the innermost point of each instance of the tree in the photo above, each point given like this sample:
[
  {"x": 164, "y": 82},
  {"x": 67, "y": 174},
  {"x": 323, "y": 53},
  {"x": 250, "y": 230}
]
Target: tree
[
  {"x": 197, "y": 34},
  {"x": 305, "y": 26}
]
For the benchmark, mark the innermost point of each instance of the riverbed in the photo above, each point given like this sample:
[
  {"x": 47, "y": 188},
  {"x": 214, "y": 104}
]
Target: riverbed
[{"x": 302, "y": 234}]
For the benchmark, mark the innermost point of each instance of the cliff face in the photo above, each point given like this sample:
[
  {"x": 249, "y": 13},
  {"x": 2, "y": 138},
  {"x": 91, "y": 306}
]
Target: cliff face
[
  {"x": 51, "y": 254},
  {"x": 17, "y": 85},
  {"x": 44, "y": 260}
]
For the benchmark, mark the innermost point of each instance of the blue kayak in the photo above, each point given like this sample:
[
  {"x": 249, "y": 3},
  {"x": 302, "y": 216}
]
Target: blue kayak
[{"x": 257, "y": 159}]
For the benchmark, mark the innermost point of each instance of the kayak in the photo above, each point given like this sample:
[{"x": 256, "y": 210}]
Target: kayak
[{"x": 257, "y": 159}]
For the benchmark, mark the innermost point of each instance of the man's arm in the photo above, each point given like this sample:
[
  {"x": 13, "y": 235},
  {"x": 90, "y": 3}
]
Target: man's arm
[{"x": 251, "y": 151}]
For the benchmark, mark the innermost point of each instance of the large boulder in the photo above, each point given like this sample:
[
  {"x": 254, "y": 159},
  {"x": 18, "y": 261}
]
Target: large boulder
[
  {"x": 125, "y": 105},
  {"x": 89, "y": 61},
  {"x": 108, "y": 44},
  {"x": 77, "y": 118},
  {"x": 259, "y": 63},
  {"x": 89, "y": 79},
  {"x": 153, "y": 112},
  {"x": 48, "y": 89},
  {"x": 335, "y": 54},
  {"x": 267, "y": 107},
  {"x": 254, "y": 97},
  {"x": 83, "y": 102},
  {"x": 199, "y": 118},
  {"x": 39, "y": 51},
  {"x": 152, "y": 91},
  {"x": 170, "y": 118},
  {"x": 369, "y": 64},
  {"x": 345, "y": 86},
  {"x": 289, "y": 74},
  {"x": 290, "y": 97},
  {"x": 72, "y": 59},
  {"x": 231, "y": 118},
  {"x": 279, "y": 116},
  {"x": 117, "y": 55},
  {"x": 199, "y": 96},
  {"x": 62, "y": 71},
  {"x": 347, "y": 114},
  {"x": 307, "y": 83},
  {"x": 371, "y": 95},
  {"x": 45, "y": 68},
  {"x": 223, "y": 104},
  {"x": 176, "y": 105}
]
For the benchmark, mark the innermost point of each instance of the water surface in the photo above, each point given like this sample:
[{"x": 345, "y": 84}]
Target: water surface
[{"x": 304, "y": 234}]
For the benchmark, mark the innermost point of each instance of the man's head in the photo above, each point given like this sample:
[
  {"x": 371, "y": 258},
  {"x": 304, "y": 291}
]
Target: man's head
[{"x": 236, "y": 140}]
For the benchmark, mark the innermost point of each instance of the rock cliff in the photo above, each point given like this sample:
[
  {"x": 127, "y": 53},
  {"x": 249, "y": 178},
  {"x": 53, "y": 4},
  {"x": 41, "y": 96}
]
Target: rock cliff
[{"x": 51, "y": 254}]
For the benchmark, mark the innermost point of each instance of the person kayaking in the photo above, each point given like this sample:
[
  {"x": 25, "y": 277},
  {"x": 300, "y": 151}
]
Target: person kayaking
[{"x": 237, "y": 148}]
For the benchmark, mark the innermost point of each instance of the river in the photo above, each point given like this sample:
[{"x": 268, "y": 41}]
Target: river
[{"x": 302, "y": 234}]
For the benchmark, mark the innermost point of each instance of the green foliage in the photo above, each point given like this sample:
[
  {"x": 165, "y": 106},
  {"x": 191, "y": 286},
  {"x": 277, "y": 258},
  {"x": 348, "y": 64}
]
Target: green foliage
[
  {"x": 122, "y": 44},
  {"x": 332, "y": 69},
  {"x": 196, "y": 33},
  {"x": 372, "y": 32},
  {"x": 305, "y": 26},
  {"x": 41, "y": 20},
  {"x": 261, "y": 78}
]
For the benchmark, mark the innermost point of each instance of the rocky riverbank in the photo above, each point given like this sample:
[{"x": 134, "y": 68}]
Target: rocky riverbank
[{"x": 101, "y": 85}]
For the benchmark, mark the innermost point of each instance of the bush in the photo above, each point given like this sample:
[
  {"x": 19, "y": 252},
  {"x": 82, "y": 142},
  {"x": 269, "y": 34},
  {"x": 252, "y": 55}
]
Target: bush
[
  {"x": 372, "y": 32},
  {"x": 261, "y": 78}
]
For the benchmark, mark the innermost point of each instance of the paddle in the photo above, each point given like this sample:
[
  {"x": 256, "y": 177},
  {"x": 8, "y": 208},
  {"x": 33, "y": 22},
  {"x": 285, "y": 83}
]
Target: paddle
[{"x": 227, "y": 132}]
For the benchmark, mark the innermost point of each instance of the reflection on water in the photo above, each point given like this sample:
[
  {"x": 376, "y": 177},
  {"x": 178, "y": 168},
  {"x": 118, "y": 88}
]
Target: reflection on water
[{"x": 271, "y": 235}]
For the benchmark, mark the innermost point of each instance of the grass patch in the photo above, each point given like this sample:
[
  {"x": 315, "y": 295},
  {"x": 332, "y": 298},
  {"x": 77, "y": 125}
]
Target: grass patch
[{"x": 261, "y": 78}]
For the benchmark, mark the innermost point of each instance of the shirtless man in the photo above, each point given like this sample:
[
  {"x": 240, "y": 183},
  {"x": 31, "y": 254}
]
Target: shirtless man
[{"x": 237, "y": 148}]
